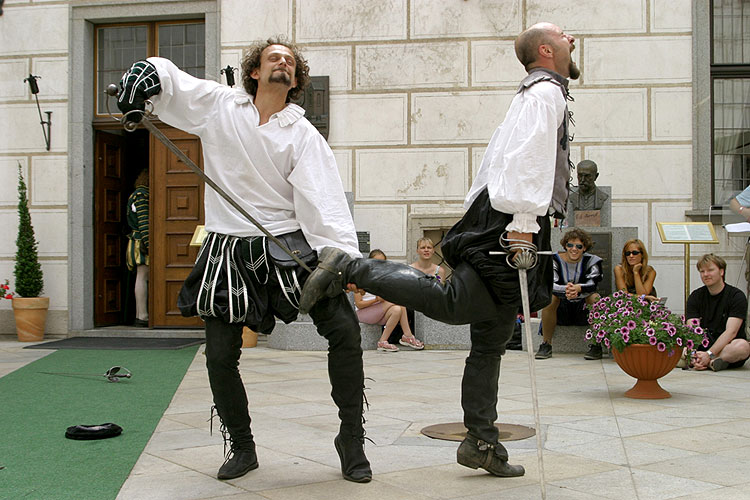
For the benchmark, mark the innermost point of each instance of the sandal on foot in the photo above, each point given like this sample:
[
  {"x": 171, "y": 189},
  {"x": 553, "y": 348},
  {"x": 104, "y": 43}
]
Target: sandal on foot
[
  {"x": 386, "y": 347},
  {"x": 412, "y": 342}
]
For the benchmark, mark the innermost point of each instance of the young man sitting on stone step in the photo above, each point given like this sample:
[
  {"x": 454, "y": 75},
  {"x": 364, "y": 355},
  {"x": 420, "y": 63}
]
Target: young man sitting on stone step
[{"x": 576, "y": 276}]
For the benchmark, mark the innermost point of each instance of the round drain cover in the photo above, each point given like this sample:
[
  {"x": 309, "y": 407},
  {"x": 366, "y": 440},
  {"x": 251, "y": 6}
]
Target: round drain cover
[{"x": 456, "y": 431}]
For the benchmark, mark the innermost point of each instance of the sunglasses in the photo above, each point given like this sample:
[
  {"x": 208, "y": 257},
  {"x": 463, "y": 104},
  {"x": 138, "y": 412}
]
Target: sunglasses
[
  {"x": 632, "y": 252},
  {"x": 577, "y": 245}
]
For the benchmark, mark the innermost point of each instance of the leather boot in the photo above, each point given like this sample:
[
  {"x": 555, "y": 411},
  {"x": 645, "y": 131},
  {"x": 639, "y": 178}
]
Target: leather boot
[
  {"x": 238, "y": 463},
  {"x": 475, "y": 453},
  {"x": 326, "y": 279},
  {"x": 465, "y": 299},
  {"x": 354, "y": 464}
]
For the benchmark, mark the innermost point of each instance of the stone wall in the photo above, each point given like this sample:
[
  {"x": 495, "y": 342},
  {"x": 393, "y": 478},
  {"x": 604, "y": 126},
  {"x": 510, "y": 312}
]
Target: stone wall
[
  {"x": 34, "y": 39},
  {"x": 417, "y": 89}
]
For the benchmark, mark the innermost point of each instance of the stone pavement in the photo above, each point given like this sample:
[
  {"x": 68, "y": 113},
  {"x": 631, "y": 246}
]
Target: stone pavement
[{"x": 597, "y": 443}]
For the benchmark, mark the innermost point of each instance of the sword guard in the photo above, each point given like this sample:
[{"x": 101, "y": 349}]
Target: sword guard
[
  {"x": 131, "y": 125},
  {"x": 521, "y": 254}
]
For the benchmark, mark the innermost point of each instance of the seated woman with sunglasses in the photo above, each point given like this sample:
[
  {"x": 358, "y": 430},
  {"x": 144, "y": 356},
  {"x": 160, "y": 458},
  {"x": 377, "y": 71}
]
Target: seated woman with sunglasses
[
  {"x": 576, "y": 275},
  {"x": 634, "y": 275}
]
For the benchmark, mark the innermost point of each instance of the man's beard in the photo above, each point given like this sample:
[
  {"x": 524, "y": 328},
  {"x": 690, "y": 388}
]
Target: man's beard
[
  {"x": 573, "y": 70},
  {"x": 280, "y": 77}
]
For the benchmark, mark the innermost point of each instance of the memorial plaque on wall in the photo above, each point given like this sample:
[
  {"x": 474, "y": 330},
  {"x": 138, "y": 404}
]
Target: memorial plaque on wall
[
  {"x": 364, "y": 242},
  {"x": 315, "y": 102},
  {"x": 603, "y": 249}
]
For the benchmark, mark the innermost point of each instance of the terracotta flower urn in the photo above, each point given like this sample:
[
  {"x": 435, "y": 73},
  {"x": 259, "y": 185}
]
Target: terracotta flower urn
[{"x": 647, "y": 364}]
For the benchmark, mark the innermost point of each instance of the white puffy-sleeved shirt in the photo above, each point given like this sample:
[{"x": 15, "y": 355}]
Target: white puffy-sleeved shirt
[
  {"x": 282, "y": 172},
  {"x": 518, "y": 167}
]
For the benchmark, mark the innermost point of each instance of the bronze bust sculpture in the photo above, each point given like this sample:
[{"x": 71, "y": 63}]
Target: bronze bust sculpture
[{"x": 587, "y": 196}]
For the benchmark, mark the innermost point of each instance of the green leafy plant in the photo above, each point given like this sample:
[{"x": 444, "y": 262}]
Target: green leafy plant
[
  {"x": 623, "y": 319},
  {"x": 28, "y": 271}
]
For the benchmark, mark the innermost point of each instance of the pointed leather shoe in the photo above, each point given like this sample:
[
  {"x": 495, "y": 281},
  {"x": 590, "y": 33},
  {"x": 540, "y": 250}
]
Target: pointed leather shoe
[
  {"x": 240, "y": 463},
  {"x": 475, "y": 453},
  {"x": 326, "y": 279},
  {"x": 354, "y": 464}
]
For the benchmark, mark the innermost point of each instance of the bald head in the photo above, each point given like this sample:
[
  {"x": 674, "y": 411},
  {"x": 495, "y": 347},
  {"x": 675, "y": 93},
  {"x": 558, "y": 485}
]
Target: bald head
[{"x": 527, "y": 44}]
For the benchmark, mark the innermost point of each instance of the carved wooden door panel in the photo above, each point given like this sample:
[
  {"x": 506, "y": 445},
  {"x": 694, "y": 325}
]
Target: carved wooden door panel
[
  {"x": 109, "y": 241},
  {"x": 176, "y": 197}
]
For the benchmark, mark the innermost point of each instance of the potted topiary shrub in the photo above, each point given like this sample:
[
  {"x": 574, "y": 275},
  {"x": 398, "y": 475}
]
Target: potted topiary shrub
[{"x": 29, "y": 309}]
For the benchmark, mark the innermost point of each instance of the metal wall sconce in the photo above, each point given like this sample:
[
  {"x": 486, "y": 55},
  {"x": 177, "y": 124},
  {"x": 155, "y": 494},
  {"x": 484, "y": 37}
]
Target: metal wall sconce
[
  {"x": 46, "y": 125},
  {"x": 229, "y": 73}
]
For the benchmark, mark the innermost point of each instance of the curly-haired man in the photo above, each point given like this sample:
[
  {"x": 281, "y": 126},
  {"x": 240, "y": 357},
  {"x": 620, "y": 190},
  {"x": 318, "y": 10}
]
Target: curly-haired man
[{"x": 260, "y": 149}]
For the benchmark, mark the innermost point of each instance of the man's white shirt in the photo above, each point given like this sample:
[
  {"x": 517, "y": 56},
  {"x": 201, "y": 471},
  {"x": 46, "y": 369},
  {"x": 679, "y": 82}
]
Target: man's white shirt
[
  {"x": 282, "y": 172},
  {"x": 518, "y": 167}
]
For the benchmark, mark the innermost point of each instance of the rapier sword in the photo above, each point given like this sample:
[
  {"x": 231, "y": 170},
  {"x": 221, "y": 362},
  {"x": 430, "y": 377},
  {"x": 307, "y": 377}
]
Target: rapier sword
[
  {"x": 522, "y": 256},
  {"x": 130, "y": 126}
]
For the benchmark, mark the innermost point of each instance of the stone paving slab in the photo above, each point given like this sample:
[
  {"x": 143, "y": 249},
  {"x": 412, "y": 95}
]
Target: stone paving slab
[{"x": 596, "y": 443}]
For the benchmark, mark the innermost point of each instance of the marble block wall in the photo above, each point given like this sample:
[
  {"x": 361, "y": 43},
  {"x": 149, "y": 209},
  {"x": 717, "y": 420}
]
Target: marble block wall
[{"x": 417, "y": 87}]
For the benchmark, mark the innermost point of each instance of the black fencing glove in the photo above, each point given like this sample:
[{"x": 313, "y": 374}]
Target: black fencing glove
[{"x": 139, "y": 83}]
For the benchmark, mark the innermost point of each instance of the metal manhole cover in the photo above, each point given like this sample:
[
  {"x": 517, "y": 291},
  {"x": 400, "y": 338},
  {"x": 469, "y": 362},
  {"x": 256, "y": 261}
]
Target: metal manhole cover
[{"x": 456, "y": 431}]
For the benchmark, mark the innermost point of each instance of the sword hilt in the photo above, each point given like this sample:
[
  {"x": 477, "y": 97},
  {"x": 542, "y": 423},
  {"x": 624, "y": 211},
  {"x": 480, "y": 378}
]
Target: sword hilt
[
  {"x": 128, "y": 125},
  {"x": 519, "y": 254}
]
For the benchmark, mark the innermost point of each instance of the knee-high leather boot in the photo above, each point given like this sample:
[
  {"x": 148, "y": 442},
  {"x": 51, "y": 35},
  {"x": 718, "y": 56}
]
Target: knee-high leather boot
[
  {"x": 223, "y": 349},
  {"x": 335, "y": 320},
  {"x": 464, "y": 299}
]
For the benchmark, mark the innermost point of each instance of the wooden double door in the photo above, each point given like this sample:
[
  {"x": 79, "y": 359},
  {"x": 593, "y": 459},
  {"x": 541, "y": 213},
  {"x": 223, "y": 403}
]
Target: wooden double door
[{"x": 175, "y": 209}]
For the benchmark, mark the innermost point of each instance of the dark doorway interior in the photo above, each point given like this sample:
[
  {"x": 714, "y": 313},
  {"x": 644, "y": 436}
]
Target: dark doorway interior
[{"x": 120, "y": 156}]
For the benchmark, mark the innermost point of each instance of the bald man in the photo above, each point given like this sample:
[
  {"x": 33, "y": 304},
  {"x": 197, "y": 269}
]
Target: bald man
[{"x": 523, "y": 180}]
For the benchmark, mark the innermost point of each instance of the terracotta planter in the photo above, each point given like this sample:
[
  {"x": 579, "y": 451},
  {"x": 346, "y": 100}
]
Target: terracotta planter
[
  {"x": 647, "y": 364},
  {"x": 31, "y": 316}
]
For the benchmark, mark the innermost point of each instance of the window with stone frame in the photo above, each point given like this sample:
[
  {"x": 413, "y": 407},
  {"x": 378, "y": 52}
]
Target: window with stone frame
[
  {"x": 730, "y": 98},
  {"x": 118, "y": 46}
]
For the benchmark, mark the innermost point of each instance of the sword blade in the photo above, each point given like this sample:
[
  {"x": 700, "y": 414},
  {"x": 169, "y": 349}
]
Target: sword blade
[
  {"x": 187, "y": 161},
  {"x": 523, "y": 281}
]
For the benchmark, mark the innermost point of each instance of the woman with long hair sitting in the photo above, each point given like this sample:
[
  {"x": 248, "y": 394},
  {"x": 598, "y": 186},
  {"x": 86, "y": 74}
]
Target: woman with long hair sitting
[{"x": 634, "y": 275}]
